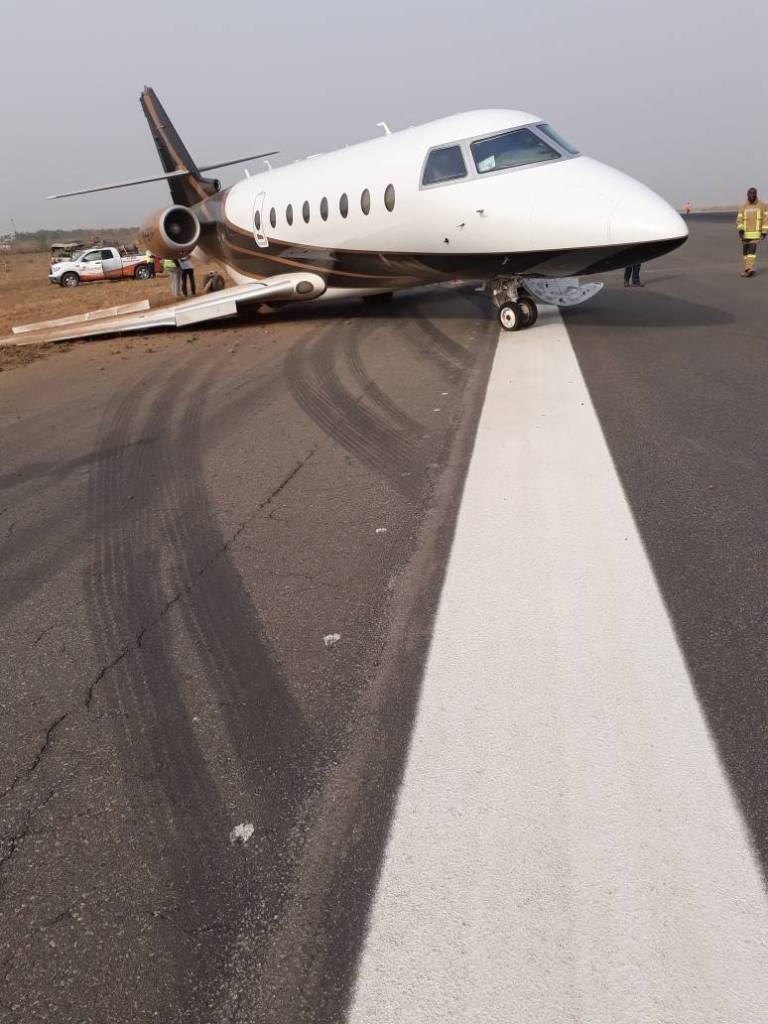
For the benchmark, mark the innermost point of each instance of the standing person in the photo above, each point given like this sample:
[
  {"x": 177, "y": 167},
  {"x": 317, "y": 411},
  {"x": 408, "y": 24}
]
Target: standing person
[
  {"x": 633, "y": 271},
  {"x": 173, "y": 271},
  {"x": 150, "y": 261},
  {"x": 752, "y": 225},
  {"x": 187, "y": 274}
]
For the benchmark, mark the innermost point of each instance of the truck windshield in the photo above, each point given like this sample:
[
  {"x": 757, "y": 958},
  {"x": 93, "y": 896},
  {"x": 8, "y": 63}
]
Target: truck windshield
[{"x": 512, "y": 149}]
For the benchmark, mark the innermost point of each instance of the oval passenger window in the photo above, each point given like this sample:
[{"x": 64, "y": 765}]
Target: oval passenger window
[
  {"x": 365, "y": 202},
  {"x": 389, "y": 198},
  {"x": 273, "y": 217},
  {"x": 257, "y": 220},
  {"x": 324, "y": 208},
  {"x": 344, "y": 205},
  {"x": 289, "y": 214},
  {"x": 305, "y": 212}
]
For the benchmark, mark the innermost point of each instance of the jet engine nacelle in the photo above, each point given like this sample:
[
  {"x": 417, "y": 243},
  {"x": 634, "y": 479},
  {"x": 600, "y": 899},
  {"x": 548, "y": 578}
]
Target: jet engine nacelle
[{"x": 170, "y": 233}]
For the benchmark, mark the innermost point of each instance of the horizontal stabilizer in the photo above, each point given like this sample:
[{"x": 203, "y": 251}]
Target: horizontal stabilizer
[
  {"x": 242, "y": 160},
  {"x": 157, "y": 177}
]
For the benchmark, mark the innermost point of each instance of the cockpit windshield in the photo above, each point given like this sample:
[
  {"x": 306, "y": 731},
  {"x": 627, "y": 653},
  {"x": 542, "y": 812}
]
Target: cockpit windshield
[
  {"x": 557, "y": 138},
  {"x": 512, "y": 149}
]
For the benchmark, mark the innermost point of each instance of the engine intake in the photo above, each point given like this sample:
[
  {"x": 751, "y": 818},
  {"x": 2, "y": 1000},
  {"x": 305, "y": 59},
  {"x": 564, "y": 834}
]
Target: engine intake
[{"x": 170, "y": 233}]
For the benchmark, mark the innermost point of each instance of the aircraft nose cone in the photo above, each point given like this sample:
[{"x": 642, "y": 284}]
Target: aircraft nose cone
[{"x": 644, "y": 217}]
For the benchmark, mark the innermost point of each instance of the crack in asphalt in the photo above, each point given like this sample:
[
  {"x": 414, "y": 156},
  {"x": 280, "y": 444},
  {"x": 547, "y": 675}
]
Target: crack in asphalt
[
  {"x": 26, "y": 772},
  {"x": 189, "y": 587},
  {"x": 63, "y": 916},
  {"x": 41, "y": 635},
  {"x": 13, "y": 841},
  {"x": 9, "y": 532}
]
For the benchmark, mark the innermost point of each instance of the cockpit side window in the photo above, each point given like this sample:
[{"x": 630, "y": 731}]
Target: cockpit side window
[
  {"x": 512, "y": 149},
  {"x": 558, "y": 139},
  {"x": 444, "y": 164}
]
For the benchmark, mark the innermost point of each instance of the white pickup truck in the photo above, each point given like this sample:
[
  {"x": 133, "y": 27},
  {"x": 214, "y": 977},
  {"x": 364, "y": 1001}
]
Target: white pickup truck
[{"x": 102, "y": 263}]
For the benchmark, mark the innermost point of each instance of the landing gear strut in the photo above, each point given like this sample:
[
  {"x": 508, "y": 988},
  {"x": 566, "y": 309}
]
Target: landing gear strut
[{"x": 517, "y": 310}]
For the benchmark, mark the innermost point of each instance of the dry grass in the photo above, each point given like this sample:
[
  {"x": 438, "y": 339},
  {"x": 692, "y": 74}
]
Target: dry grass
[{"x": 26, "y": 296}]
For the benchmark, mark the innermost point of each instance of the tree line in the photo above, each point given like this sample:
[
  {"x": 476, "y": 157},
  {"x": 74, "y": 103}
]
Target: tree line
[{"x": 43, "y": 239}]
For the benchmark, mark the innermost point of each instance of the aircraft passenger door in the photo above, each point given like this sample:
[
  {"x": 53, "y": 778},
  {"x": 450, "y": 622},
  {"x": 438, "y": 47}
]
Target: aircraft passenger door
[{"x": 259, "y": 226}]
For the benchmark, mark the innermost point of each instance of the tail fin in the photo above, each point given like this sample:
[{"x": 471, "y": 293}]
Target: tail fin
[
  {"x": 188, "y": 189},
  {"x": 185, "y": 178}
]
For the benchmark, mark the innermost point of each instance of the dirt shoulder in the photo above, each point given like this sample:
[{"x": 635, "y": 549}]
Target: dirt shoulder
[{"x": 27, "y": 296}]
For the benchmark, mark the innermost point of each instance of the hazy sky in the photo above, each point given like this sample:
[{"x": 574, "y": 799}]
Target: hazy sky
[{"x": 672, "y": 92}]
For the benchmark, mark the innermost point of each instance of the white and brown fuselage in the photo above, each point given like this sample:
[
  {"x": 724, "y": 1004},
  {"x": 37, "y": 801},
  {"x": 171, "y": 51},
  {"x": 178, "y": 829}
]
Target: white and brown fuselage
[{"x": 365, "y": 221}]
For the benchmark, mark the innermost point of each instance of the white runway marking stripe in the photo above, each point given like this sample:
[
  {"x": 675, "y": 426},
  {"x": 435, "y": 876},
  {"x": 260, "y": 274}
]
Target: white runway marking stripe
[{"x": 565, "y": 847}]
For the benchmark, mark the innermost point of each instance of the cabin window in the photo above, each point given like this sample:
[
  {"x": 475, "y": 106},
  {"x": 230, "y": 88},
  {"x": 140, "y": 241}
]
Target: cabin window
[
  {"x": 558, "y": 138},
  {"x": 92, "y": 257},
  {"x": 273, "y": 217},
  {"x": 344, "y": 204},
  {"x": 365, "y": 202},
  {"x": 512, "y": 149},
  {"x": 305, "y": 212},
  {"x": 257, "y": 220},
  {"x": 324, "y": 208},
  {"x": 444, "y": 164},
  {"x": 389, "y": 198},
  {"x": 289, "y": 214}
]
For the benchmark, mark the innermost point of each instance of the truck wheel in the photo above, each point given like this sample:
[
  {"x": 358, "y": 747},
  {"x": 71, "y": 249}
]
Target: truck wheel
[
  {"x": 70, "y": 279},
  {"x": 141, "y": 272}
]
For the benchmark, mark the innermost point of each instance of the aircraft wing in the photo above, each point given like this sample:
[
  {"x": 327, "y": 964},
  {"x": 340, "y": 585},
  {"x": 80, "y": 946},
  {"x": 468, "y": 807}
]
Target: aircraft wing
[{"x": 212, "y": 306}]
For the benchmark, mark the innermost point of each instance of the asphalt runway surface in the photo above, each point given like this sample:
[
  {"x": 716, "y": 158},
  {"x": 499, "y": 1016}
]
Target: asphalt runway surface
[{"x": 185, "y": 518}]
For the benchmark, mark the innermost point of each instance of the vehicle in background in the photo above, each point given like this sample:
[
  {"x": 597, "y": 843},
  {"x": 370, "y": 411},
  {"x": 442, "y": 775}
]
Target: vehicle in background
[
  {"x": 61, "y": 251},
  {"x": 102, "y": 263}
]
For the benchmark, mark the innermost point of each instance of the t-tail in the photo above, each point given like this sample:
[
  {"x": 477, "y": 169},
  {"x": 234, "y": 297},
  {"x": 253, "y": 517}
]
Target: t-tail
[
  {"x": 190, "y": 187},
  {"x": 185, "y": 179}
]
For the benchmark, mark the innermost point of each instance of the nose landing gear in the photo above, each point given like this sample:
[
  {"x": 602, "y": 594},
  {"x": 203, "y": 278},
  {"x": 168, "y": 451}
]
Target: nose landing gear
[{"x": 517, "y": 310}]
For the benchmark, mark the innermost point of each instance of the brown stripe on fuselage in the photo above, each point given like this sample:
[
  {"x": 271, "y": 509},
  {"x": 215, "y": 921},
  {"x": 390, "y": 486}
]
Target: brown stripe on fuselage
[{"x": 369, "y": 269}]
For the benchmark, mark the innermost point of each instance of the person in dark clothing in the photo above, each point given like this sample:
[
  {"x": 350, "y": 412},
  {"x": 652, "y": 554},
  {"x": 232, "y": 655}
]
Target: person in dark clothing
[
  {"x": 633, "y": 272},
  {"x": 187, "y": 274}
]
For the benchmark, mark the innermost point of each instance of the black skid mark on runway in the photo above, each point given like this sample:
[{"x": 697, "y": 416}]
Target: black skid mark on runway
[
  {"x": 275, "y": 751},
  {"x": 32, "y": 540},
  {"x": 373, "y": 392},
  {"x": 172, "y": 790},
  {"x": 434, "y": 344},
  {"x": 355, "y": 424},
  {"x": 242, "y": 683}
]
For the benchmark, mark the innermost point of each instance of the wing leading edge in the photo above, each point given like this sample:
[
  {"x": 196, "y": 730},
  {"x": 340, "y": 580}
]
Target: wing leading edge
[{"x": 213, "y": 306}]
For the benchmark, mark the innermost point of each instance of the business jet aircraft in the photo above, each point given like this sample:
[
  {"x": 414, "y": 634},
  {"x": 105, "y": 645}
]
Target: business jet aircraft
[{"x": 496, "y": 195}]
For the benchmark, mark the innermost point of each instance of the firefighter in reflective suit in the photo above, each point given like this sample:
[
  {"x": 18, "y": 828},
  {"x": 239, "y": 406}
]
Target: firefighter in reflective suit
[{"x": 752, "y": 225}]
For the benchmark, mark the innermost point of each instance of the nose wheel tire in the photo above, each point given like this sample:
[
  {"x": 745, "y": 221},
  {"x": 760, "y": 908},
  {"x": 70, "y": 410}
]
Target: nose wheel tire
[
  {"x": 511, "y": 316},
  {"x": 530, "y": 311}
]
